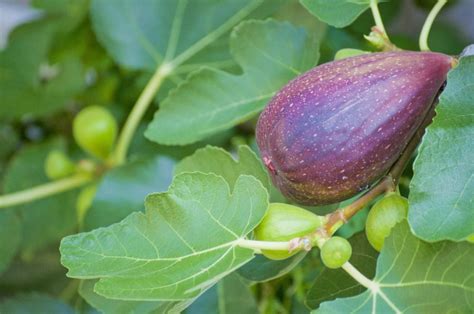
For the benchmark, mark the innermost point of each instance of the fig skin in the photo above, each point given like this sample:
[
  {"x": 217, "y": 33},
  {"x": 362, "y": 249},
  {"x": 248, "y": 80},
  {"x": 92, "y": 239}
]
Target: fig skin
[{"x": 336, "y": 129}]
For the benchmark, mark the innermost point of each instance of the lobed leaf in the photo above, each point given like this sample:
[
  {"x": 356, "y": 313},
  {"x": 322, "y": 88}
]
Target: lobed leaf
[
  {"x": 183, "y": 244},
  {"x": 442, "y": 189},
  {"x": 47, "y": 220},
  {"x": 338, "y": 13},
  {"x": 211, "y": 100},
  {"x": 218, "y": 161},
  {"x": 414, "y": 276},
  {"x": 122, "y": 189}
]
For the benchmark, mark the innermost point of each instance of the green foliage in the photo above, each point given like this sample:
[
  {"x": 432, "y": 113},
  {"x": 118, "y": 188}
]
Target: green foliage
[
  {"x": 441, "y": 206},
  {"x": 218, "y": 161},
  {"x": 29, "y": 83},
  {"x": 211, "y": 100},
  {"x": 173, "y": 228},
  {"x": 331, "y": 284},
  {"x": 34, "y": 303},
  {"x": 43, "y": 222},
  {"x": 415, "y": 276},
  {"x": 195, "y": 205},
  {"x": 338, "y": 13},
  {"x": 123, "y": 189}
]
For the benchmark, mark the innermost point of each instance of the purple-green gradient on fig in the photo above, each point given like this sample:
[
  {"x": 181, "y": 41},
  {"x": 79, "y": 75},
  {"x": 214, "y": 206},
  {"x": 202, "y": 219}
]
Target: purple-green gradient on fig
[{"x": 336, "y": 129}]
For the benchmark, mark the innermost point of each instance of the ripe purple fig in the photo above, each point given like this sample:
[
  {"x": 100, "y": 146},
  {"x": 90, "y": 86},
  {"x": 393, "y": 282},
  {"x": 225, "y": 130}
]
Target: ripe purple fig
[{"x": 336, "y": 129}]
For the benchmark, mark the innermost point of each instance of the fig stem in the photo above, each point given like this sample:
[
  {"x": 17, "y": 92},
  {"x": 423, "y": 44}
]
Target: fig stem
[
  {"x": 138, "y": 111},
  {"x": 377, "y": 17},
  {"x": 44, "y": 190},
  {"x": 359, "y": 277},
  {"x": 425, "y": 31}
]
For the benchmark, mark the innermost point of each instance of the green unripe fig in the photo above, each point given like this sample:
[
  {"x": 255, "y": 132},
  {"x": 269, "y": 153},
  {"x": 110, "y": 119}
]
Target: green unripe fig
[
  {"x": 283, "y": 222},
  {"x": 58, "y": 165},
  {"x": 95, "y": 130},
  {"x": 335, "y": 252},
  {"x": 348, "y": 52},
  {"x": 84, "y": 201},
  {"x": 383, "y": 216}
]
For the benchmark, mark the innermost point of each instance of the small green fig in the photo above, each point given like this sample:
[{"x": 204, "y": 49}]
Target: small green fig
[
  {"x": 335, "y": 252},
  {"x": 283, "y": 222},
  {"x": 95, "y": 130},
  {"x": 58, "y": 165},
  {"x": 383, "y": 216}
]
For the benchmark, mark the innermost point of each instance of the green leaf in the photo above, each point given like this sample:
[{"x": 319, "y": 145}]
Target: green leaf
[
  {"x": 104, "y": 305},
  {"x": 338, "y": 13},
  {"x": 184, "y": 243},
  {"x": 123, "y": 189},
  {"x": 442, "y": 189},
  {"x": 218, "y": 161},
  {"x": 211, "y": 100},
  {"x": 156, "y": 31},
  {"x": 10, "y": 237},
  {"x": 336, "y": 283},
  {"x": 34, "y": 303},
  {"x": 414, "y": 276},
  {"x": 47, "y": 220},
  {"x": 264, "y": 269},
  {"x": 230, "y": 295},
  {"x": 28, "y": 83}
]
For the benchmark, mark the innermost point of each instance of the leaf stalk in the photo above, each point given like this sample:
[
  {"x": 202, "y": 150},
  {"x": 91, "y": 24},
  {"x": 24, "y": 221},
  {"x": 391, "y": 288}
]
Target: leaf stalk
[
  {"x": 44, "y": 190},
  {"x": 425, "y": 31},
  {"x": 138, "y": 111}
]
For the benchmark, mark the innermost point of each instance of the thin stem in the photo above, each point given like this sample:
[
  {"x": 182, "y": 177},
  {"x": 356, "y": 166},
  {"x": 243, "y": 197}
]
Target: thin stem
[
  {"x": 43, "y": 191},
  {"x": 138, "y": 111},
  {"x": 264, "y": 245},
  {"x": 425, "y": 31},
  {"x": 377, "y": 17},
  {"x": 359, "y": 277}
]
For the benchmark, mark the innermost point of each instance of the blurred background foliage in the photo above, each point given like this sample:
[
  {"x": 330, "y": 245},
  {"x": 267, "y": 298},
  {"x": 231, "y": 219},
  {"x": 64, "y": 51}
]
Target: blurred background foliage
[{"x": 51, "y": 65}]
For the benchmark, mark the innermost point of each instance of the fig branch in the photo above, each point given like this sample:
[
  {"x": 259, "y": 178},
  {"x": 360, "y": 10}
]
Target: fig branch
[
  {"x": 44, "y": 190},
  {"x": 425, "y": 31},
  {"x": 138, "y": 111}
]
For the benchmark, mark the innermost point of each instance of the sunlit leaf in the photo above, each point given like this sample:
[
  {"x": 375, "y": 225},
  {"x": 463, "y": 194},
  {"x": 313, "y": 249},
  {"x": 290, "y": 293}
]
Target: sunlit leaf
[
  {"x": 46, "y": 220},
  {"x": 211, "y": 100},
  {"x": 442, "y": 190},
  {"x": 184, "y": 243},
  {"x": 338, "y": 13},
  {"x": 415, "y": 277},
  {"x": 218, "y": 161}
]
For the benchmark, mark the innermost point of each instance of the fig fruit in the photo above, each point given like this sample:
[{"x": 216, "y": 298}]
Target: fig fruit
[
  {"x": 383, "y": 216},
  {"x": 336, "y": 129},
  {"x": 283, "y": 222},
  {"x": 335, "y": 252},
  {"x": 58, "y": 165},
  {"x": 95, "y": 130}
]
